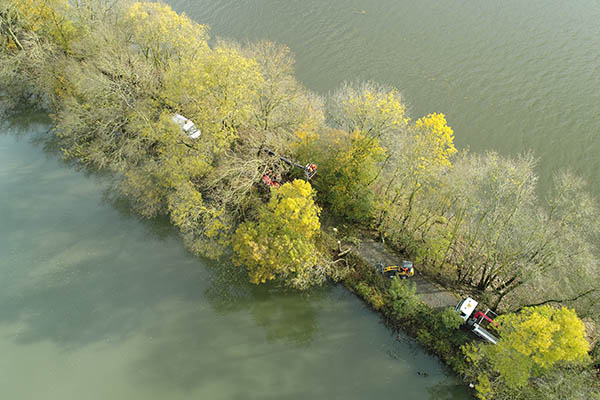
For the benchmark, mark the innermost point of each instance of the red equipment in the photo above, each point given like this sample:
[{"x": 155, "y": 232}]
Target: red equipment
[
  {"x": 269, "y": 182},
  {"x": 481, "y": 314},
  {"x": 309, "y": 169}
]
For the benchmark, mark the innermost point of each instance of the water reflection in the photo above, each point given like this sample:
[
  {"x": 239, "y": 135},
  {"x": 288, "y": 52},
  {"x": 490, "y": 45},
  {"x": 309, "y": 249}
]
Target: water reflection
[
  {"x": 85, "y": 287},
  {"x": 287, "y": 318},
  {"x": 446, "y": 390},
  {"x": 83, "y": 277}
]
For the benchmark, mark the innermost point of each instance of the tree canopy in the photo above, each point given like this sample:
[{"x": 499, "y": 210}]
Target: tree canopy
[
  {"x": 281, "y": 243},
  {"x": 531, "y": 343},
  {"x": 112, "y": 74}
]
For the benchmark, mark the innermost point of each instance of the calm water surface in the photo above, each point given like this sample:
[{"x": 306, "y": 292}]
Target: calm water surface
[
  {"x": 510, "y": 75},
  {"x": 98, "y": 304}
]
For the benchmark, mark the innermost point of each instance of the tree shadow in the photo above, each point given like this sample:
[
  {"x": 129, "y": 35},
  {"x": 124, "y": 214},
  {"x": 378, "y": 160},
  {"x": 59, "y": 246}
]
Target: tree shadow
[
  {"x": 234, "y": 350},
  {"x": 102, "y": 277},
  {"x": 447, "y": 390}
]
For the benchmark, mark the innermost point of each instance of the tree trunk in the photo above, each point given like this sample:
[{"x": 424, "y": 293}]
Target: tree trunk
[{"x": 577, "y": 297}]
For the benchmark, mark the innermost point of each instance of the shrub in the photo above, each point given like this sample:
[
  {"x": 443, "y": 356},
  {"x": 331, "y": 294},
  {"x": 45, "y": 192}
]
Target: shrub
[
  {"x": 405, "y": 302},
  {"x": 370, "y": 294},
  {"x": 451, "y": 320}
]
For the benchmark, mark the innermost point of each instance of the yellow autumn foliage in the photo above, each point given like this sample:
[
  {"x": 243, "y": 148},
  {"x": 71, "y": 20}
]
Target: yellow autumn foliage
[
  {"x": 369, "y": 108},
  {"x": 206, "y": 228},
  {"x": 348, "y": 167},
  {"x": 531, "y": 342},
  {"x": 545, "y": 335},
  {"x": 47, "y": 18},
  {"x": 162, "y": 34},
  {"x": 350, "y": 173},
  {"x": 434, "y": 142},
  {"x": 38, "y": 14},
  {"x": 217, "y": 92},
  {"x": 281, "y": 244}
]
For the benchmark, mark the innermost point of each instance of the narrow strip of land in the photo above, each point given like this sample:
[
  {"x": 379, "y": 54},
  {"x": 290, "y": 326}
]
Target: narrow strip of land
[{"x": 433, "y": 295}]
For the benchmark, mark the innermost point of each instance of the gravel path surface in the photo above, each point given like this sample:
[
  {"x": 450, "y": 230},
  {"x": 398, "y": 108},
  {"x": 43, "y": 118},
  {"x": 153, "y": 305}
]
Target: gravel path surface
[{"x": 430, "y": 293}]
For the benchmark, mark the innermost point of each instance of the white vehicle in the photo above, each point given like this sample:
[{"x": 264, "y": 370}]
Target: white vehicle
[
  {"x": 187, "y": 126},
  {"x": 474, "y": 319}
]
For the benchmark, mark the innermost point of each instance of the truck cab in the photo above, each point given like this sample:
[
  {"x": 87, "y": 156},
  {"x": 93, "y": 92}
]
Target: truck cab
[
  {"x": 466, "y": 308},
  {"x": 474, "y": 320}
]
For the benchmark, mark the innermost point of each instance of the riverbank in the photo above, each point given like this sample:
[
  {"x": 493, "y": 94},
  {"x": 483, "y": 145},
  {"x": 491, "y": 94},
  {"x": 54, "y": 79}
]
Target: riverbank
[
  {"x": 373, "y": 251},
  {"x": 425, "y": 310},
  {"x": 97, "y": 303},
  {"x": 416, "y": 306},
  {"x": 113, "y": 86}
]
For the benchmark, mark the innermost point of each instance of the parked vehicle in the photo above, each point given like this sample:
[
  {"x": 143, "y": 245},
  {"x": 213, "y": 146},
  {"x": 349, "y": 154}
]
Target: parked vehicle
[
  {"x": 475, "y": 318},
  {"x": 187, "y": 126}
]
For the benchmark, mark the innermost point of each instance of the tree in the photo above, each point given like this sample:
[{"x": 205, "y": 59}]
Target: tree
[
  {"x": 102, "y": 104},
  {"x": 559, "y": 383},
  {"x": 571, "y": 227},
  {"x": 510, "y": 242},
  {"x": 162, "y": 35},
  {"x": 573, "y": 383},
  {"x": 418, "y": 159},
  {"x": 35, "y": 37},
  {"x": 492, "y": 200},
  {"x": 281, "y": 243},
  {"x": 367, "y": 107},
  {"x": 217, "y": 91},
  {"x": 531, "y": 343},
  {"x": 348, "y": 167},
  {"x": 434, "y": 143},
  {"x": 206, "y": 228},
  {"x": 405, "y": 301},
  {"x": 283, "y": 103},
  {"x": 46, "y": 18},
  {"x": 171, "y": 164}
]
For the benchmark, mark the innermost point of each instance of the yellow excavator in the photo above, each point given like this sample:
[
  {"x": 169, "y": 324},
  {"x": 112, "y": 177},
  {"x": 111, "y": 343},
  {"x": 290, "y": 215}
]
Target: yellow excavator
[{"x": 403, "y": 271}]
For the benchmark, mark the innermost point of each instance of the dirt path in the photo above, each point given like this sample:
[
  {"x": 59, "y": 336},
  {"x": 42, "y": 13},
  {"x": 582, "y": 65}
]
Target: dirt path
[{"x": 430, "y": 293}]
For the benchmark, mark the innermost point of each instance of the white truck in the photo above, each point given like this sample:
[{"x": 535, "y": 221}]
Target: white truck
[
  {"x": 186, "y": 125},
  {"x": 474, "y": 319}
]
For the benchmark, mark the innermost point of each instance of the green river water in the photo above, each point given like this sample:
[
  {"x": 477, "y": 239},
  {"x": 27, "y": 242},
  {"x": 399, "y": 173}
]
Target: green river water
[
  {"x": 511, "y": 76},
  {"x": 96, "y": 303}
]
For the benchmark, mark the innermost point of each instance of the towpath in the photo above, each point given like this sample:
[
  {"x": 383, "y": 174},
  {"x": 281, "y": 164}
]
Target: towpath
[{"x": 430, "y": 293}]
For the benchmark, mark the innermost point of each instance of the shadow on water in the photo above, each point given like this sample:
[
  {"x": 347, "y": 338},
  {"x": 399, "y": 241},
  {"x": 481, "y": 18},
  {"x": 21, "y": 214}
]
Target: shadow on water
[
  {"x": 99, "y": 275},
  {"x": 106, "y": 283},
  {"x": 446, "y": 390},
  {"x": 195, "y": 349}
]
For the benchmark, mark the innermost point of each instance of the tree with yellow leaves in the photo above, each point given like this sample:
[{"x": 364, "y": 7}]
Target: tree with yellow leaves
[
  {"x": 46, "y": 18},
  {"x": 434, "y": 143},
  {"x": 173, "y": 163},
  {"x": 217, "y": 91},
  {"x": 162, "y": 35},
  {"x": 206, "y": 227},
  {"x": 531, "y": 343},
  {"x": 281, "y": 243},
  {"x": 417, "y": 161},
  {"x": 348, "y": 168},
  {"x": 367, "y": 107}
]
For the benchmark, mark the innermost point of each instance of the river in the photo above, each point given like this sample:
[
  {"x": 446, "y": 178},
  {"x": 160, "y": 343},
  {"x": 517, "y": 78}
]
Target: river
[
  {"x": 96, "y": 303},
  {"x": 511, "y": 76}
]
